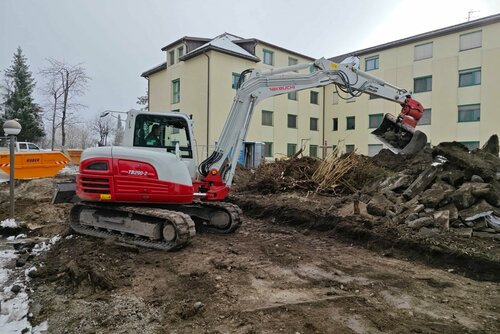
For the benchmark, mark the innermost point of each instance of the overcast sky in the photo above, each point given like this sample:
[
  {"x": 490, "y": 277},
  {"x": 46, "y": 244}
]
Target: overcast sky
[{"x": 117, "y": 40}]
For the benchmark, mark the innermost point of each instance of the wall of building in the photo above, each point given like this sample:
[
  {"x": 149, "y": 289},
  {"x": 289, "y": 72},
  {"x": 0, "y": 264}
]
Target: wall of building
[{"x": 397, "y": 66}]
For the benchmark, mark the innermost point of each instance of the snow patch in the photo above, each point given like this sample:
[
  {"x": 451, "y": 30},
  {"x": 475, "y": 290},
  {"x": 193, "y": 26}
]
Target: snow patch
[
  {"x": 8, "y": 223},
  {"x": 45, "y": 246}
]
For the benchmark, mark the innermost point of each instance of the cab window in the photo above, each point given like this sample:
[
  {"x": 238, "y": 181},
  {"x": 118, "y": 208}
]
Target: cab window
[{"x": 163, "y": 132}]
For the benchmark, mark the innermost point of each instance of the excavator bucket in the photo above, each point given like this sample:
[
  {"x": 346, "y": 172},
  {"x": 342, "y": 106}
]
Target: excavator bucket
[{"x": 399, "y": 137}]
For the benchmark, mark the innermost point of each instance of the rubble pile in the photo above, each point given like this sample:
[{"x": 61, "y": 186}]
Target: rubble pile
[{"x": 457, "y": 191}]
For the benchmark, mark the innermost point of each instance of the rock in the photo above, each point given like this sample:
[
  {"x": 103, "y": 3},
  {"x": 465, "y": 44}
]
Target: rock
[
  {"x": 476, "y": 178},
  {"x": 412, "y": 216},
  {"x": 419, "y": 208},
  {"x": 427, "y": 232},
  {"x": 420, "y": 222},
  {"x": 454, "y": 177},
  {"x": 198, "y": 305},
  {"x": 453, "y": 211},
  {"x": 397, "y": 183},
  {"x": 422, "y": 181},
  {"x": 463, "y": 198},
  {"x": 487, "y": 235},
  {"x": 491, "y": 145},
  {"x": 480, "y": 225},
  {"x": 480, "y": 207},
  {"x": 476, "y": 162},
  {"x": 15, "y": 288},
  {"x": 442, "y": 219},
  {"x": 378, "y": 205},
  {"x": 463, "y": 232},
  {"x": 21, "y": 260}
]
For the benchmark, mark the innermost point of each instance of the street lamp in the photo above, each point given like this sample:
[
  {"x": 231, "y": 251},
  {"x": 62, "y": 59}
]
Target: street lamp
[{"x": 12, "y": 129}]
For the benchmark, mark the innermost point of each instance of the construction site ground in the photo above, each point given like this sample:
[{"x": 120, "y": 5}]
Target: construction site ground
[{"x": 299, "y": 264}]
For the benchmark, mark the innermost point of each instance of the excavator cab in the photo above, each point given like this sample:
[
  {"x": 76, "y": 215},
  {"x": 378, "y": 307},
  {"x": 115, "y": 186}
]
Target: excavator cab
[{"x": 399, "y": 133}]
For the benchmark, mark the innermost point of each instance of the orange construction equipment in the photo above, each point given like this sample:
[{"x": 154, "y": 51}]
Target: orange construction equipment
[
  {"x": 30, "y": 165},
  {"x": 74, "y": 155}
]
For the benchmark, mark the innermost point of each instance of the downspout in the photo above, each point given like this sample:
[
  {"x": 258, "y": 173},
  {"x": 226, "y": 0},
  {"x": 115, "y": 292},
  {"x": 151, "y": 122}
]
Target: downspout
[
  {"x": 149, "y": 94},
  {"x": 208, "y": 103},
  {"x": 324, "y": 121}
]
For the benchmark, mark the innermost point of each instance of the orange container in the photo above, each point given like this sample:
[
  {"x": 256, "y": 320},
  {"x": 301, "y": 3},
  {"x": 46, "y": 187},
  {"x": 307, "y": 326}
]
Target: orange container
[
  {"x": 74, "y": 155},
  {"x": 29, "y": 165}
]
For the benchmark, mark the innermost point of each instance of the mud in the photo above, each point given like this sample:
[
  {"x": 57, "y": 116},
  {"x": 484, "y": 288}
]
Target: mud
[{"x": 300, "y": 263}]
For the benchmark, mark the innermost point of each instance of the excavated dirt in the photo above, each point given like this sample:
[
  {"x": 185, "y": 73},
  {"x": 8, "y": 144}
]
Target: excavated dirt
[{"x": 300, "y": 263}]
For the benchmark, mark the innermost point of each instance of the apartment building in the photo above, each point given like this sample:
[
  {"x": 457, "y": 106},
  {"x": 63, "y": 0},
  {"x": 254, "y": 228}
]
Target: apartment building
[
  {"x": 454, "y": 72},
  {"x": 199, "y": 78}
]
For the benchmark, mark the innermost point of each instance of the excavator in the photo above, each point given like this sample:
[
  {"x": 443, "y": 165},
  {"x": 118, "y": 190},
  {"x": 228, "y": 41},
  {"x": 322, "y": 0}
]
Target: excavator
[{"x": 151, "y": 192}]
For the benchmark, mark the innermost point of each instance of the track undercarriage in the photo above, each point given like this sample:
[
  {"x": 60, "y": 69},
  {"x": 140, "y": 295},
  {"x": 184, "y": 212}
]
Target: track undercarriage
[{"x": 164, "y": 227}]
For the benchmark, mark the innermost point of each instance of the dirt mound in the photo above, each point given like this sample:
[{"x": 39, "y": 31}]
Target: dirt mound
[
  {"x": 36, "y": 189},
  {"x": 283, "y": 175}
]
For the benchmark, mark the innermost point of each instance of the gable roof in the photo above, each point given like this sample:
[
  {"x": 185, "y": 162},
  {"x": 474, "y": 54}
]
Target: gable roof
[
  {"x": 224, "y": 43},
  {"x": 155, "y": 69}
]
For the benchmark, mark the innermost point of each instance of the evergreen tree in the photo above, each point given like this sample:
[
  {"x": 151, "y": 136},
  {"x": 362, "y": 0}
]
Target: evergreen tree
[{"x": 18, "y": 101}]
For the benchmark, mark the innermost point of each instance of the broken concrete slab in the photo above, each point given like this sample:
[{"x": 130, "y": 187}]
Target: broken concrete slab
[
  {"x": 478, "y": 162},
  {"x": 463, "y": 198},
  {"x": 442, "y": 219},
  {"x": 452, "y": 210},
  {"x": 464, "y": 232},
  {"x": 422, "y": 181},
  {"x": 486, "y": 235},
  {"x": 454, "y": 177},
  {"x": 479, "y": 208},
  {"x": 378, "y": 205},
  {"x": 437, "y": 196},
  {"x": 491, "y": 145},
  {"x": 420, "y": 222}
]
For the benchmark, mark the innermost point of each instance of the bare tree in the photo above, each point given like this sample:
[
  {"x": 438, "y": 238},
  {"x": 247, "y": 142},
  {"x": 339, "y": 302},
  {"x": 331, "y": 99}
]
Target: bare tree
[
  {"x": 65, "y": 83},
  {"x": 103, "y": 128},
  {"x": 118, "y": 131},
  {"x": 143, "y": 101},
  {"x": 53, "y": 91}
]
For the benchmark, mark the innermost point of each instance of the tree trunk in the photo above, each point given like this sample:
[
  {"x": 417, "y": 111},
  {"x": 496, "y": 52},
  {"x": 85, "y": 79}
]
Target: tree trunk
[
  {"x": 64, "y": 109},
  {"x": 54, "y": 123}
]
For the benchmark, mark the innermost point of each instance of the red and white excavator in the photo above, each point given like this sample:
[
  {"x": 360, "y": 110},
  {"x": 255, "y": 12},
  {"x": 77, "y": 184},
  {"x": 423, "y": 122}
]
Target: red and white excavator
[{"x": 150, "y": 192}]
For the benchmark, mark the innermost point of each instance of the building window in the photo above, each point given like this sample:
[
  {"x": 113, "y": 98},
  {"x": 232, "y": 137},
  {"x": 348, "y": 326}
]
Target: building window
[
  {"x": 235, "y": 79},
  {"x": 423, "y": 84},
  {"x": 314, "y": 97},
  {"x": 176, "y": 110},
  {"x": 375, "y": 120},
  {"x": 312, "y": 69},
  {"x": 313, "y": 124},
  {"x": 351, "y": 122},
  {"x": 268, "y": 149},
  {"x": 267, "y": 117},
  {"x": 373, "y": 149},
  {"x": 423, "y": 51},
  {"x": 268, "y": 57},
  {"x": 180, "y": 52},
  {"x": 292, "y": 61},
  {"x": 292, "y": 96},
  {"x": 426, "y": 117},
  {"x": 349, "y": 148},
  {"x": 335, "y": 124},
  {"x": 291, "y": 149},
  {"x": 469, "y": 113},
  {"x": 292, "y": 121},
  {"x": 471, "y": 145},
  {"x": 371, "y": 63},
  {"x": 176, "y": 91},
  {"x": 469, "y": 77},
  {"x": 171, "y": 57},
  {"x": 470, "y": 40},
  {"x": 313, "y": 151}
]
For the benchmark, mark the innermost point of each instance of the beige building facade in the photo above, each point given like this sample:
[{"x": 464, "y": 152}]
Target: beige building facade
[{"x": 454, "y": 72}]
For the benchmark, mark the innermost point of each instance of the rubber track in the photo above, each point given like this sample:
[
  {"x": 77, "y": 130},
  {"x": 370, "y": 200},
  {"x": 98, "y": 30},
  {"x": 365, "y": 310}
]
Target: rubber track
[
  {"x": 184, "y": 226},
  {"x": 234, "y": 212}
]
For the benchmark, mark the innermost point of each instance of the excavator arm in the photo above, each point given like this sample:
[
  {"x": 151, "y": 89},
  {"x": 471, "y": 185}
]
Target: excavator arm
[{"x": 254, "y": 85}]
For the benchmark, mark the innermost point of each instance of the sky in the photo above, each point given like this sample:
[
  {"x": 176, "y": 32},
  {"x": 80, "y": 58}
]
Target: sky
[{"x": 117, "y": 40}]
